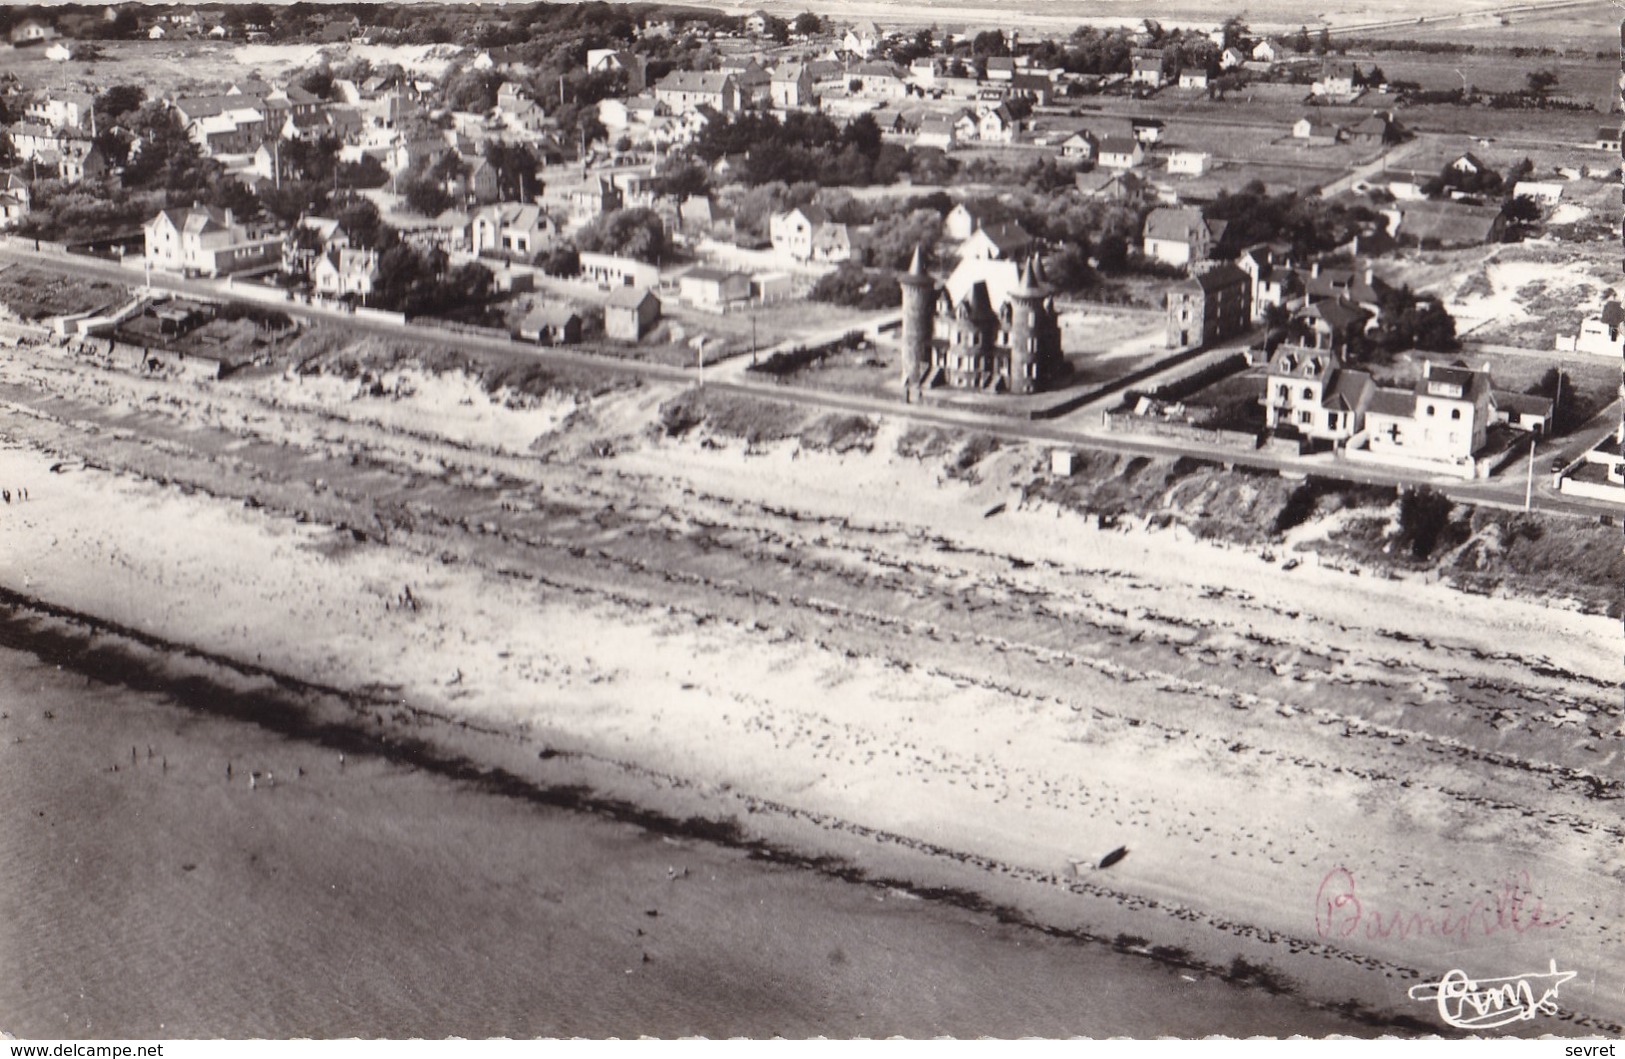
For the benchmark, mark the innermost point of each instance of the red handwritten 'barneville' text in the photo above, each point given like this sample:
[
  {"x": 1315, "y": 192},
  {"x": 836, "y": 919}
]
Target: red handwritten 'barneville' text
[{"x": 1341, "y": 914}]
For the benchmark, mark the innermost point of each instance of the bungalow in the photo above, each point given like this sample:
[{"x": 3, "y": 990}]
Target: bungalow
[
  {"x": 619, "y": 60},
  {"x": 684, "y": 90},
  {"x": 630, "y": 313},
  {"x": 713, "y": 289},
  {"x": 13, "y": 208},
  {"x": 1179, "y": 235},
  {"x": 1602, "y": 335},
  {"x": 1005, "y": 241},
  {"x": 940, "y": 133},
  {"x": 1468, "y": 164},
  {"x": 511, "y": 228},
  {"x": 1545, "y": 192},
  {"x": 31, "y": 31},
  {"x": 1524, "y": 411},
  {"x": 609, "y": 271},
  {"x": 1316, "y": 132},
  {"x": 1148, "y": 130},
  {"x": 1265, "y": 51},
  {"x": 1120, "y": 152},
  {"x": 551, "y": 325},
  {"x": 1608, "y": 138},
  {"x": 757, "y": 23},
  {"x": 1114, "y": 187},
  {"x": 1189, "y": 163},
  {"x": 1080, "y": 146},
  {"x": 1232, "y": 58},
  {"x": 1448, "y": 224},
  {"x": 1375, "y": 130},
  {"x": 1195, "y": 80},
  {"x": 1001, "y": 69}
]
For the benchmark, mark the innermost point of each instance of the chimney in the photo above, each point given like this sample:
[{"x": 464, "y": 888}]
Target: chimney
[
  {"x": 1314, "y": 270},
  {"x": 1370, "y": 274}
]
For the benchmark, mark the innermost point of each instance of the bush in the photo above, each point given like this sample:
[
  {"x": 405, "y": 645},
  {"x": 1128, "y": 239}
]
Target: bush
[
  {"x": 852, "y": 285},
  {"x": 1423, "y": 517}
]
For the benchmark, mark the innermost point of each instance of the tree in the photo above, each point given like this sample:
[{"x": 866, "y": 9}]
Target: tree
[
  {"x": 1423, "y": 517},
  {"x": 1300, "y": 43},
  {"x": 563, "y": 260},
  {"x": 636, "y": 233},
  {"x": 318, "y": 82},
  {"x": 119, "y": 105},
  {"x": 989, "y": 42},
  {"x": 1570, "y": 410},
  {"x": 1520, "y": 210},
  {"x": 1541, "y": 81},
  {"x": 808, "y": 24},
  {"x": 362, "y": 222},
  {"x": 1323, "y": 41},
  {"x": 427, "y": 196}
]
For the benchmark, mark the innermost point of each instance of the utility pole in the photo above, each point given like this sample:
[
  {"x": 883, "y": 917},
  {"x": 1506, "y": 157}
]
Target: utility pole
[{"x": 1529, "y": 486}]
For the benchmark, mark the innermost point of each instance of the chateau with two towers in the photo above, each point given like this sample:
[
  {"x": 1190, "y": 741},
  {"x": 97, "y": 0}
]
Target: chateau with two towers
[{"x": 992, "y": 326}]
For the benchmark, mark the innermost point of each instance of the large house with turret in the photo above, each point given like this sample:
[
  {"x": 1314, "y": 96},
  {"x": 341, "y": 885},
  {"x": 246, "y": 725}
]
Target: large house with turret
[{"x": 991, "y": 326}]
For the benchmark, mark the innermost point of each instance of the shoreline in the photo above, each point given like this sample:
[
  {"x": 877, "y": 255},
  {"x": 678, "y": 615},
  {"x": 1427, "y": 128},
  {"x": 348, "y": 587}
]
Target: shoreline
[
  {"x": 335, "y": 720},
  {"x": 659, "y": 651}
]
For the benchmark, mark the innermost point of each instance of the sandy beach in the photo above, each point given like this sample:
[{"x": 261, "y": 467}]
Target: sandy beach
[{"x": 842, "y": 655}]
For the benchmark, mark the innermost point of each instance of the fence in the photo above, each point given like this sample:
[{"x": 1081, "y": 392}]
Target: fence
[{"x": 1129, "y": 423}]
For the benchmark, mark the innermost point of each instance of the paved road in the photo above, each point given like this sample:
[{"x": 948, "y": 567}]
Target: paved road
[{"x": 1505, "y": 492}]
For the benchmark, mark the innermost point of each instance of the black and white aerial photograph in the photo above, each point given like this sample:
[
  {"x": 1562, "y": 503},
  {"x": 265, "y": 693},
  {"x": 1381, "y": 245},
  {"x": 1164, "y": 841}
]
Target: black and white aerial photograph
[{"x": 842, "y": 519}]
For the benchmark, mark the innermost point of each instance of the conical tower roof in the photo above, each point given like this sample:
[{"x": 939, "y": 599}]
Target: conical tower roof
[
  {"x": 916, "y": 273},
  {"x": 1030, "y": 284}
]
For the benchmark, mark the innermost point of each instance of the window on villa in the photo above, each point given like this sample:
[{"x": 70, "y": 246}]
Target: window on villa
[
  {"x": 1430, "y": 409},
  {"x": 1308, "y": 394},
  {"x": 1455, "y": 413},
  {"x": 1306, "y": 418},
  {"x": 1282, "y": 392}
]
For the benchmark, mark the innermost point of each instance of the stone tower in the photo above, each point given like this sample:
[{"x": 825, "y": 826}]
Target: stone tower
[
  {"x": 919, "y": 315},
  {"x": 1028, "y": 332}
]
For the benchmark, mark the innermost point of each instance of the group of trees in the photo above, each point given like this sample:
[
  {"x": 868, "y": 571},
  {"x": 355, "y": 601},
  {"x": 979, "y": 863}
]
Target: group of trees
[
  {"x": 1310, "y": 224},
  {"x": 636, "y": 233},
  {"x": 803, "y": 146}
]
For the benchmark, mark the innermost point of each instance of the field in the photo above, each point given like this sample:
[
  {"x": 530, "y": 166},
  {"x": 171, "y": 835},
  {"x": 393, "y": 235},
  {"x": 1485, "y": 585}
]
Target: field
[
  {"x": 168, "y": 68},
  {"x": 34, "y": 294}
]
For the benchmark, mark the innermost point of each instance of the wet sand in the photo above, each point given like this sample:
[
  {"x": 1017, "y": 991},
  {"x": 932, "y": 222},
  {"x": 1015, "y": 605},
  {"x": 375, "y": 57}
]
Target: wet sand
[{"x": 155, "y": 897}]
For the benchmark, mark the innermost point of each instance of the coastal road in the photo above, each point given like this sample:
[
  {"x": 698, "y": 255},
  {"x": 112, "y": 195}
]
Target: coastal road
[{"x": 1071, "y": 432}]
